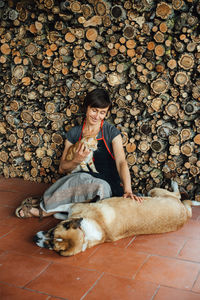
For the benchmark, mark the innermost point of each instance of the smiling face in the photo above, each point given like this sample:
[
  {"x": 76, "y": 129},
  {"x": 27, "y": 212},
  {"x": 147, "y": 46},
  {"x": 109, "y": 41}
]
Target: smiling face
[{"x": 95, "y": 115}]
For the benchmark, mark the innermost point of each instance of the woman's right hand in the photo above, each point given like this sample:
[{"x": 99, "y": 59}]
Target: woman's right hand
[{"x": 81, "y": 153}]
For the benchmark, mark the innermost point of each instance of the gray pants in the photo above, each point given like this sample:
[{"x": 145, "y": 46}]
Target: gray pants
[{"x": 76, "y": 187}]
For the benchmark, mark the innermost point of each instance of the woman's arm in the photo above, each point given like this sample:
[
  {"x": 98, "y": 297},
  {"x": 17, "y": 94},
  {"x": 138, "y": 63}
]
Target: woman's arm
[
  {"x": 67, "y": 166},
  {"x": 122, "y": 167}
]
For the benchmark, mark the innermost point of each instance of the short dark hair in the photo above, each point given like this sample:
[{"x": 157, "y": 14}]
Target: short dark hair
[{"x": 98, "y": 98}]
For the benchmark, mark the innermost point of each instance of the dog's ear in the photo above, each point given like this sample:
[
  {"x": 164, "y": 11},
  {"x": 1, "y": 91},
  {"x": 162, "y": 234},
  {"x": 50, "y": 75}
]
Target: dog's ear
[
  {"x": 66, "y": 225},
  {"x": 76, "y": 223}
]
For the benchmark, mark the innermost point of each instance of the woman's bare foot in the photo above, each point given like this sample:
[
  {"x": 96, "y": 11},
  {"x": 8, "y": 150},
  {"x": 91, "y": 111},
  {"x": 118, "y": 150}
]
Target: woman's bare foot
[
  {"x": 34, "y": 212},
  {"x": 28, "y": 211}
]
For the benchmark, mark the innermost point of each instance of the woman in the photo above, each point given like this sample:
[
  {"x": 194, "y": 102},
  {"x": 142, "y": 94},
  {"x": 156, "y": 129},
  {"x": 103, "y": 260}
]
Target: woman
[{"x": 113, "y": 177}]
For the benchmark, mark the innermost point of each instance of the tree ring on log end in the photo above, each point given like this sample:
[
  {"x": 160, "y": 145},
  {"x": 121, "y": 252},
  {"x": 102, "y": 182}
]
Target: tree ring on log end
[
  {"x": 115, "y": 78},
  {"x": 163, "y": 10},
  {"x": 186, "y": 61},
  {"x": 75, "y": 6},
  {"x": 116, "y": 11},
  {"x": 129, "y": 32},
  {"x": 177, "y": 4},
  {"x": 131, "y": 159},
  {"x": 185, "y": 134},
  {"x": 100, "y": 8},
  {"x": 197, "y": 139},
  {"x": 159, "y": 86},
  {"x": 18, "y": 72},
  {"x": 187, "y": 149},
  {"x": 174, "y": 150},
  {"x": 35, "y": 140},
  {"x": 156, "y": 146},
  {"x": 26, "y": 116},
  {"x": 3, "y": 156},
  {"x": 190, "y": 108},
  {"x": 181, "y": 78},
  {"x": 172, "y": 109},
  {"x": 145, "y": 129},
  {"x": 156, "y": 104},
  {"x": 144, "y": 146}
]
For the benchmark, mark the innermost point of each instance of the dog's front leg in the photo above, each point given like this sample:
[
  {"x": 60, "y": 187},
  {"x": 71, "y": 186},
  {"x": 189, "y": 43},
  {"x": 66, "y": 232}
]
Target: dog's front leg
[{"x": 65, "y": 214}]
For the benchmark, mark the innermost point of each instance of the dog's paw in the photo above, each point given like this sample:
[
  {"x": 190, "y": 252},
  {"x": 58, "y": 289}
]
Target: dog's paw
[{"x": 61, "y": 216}]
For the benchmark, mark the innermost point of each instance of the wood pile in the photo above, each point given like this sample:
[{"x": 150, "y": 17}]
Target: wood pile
[{"x": 146, "y": 53}]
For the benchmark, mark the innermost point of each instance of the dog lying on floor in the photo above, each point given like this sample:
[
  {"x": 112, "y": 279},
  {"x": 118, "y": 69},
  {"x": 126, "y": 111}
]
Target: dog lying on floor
[{"x": 111, "y": 219}]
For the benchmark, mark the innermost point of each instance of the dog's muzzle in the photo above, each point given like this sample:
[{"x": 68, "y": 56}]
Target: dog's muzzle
[{"x": 44, "y": 239}]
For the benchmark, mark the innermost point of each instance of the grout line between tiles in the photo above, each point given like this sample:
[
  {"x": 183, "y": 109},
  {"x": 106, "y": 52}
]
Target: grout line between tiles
[
  {"x": 30, "y": 290},
  {"x": 198, "y": 275},
  {"x": 39, "y": 274},
  {"x": 42, "y": 293},
  {"x": 10, "y": 191},
  {"x": 130, "y": 242},
  {"x": 91, "y": 288},
  {"x": 155, "y": 293},
  {"x": 4, "y": 235},
  {"x": 176, "y": 258},
  {"x": 147, "y": 258},
  {"x": 178, "y": 252}
]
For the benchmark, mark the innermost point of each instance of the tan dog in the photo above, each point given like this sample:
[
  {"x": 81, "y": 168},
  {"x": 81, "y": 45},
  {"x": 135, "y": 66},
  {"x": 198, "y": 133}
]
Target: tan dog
[{"x": 111, "y": 219}]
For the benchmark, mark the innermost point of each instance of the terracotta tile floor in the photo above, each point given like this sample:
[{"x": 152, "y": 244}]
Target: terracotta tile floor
[{"x": 153, "y": 267}]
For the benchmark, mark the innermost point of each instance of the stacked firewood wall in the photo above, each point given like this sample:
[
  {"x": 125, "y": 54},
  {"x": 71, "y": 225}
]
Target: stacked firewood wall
[{"x": 145, "y": 53}]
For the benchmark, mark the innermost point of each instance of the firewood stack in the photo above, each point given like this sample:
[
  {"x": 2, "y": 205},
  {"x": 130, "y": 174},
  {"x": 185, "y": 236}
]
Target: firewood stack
[{"x": 146, "y": 53}]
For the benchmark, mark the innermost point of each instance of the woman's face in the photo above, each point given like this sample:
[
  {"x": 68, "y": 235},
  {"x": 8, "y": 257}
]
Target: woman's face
[{"x": 95, "y": 115}]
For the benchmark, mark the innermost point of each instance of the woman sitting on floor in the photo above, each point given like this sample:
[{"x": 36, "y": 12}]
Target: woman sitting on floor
[{"x": 113, "y": 177}]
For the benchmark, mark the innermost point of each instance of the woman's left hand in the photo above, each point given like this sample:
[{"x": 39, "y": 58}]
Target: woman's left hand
[{"x": 132, "y": 196}]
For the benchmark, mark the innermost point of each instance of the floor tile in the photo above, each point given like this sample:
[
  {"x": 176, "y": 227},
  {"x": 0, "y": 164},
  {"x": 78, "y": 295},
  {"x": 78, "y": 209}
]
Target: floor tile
[
  {"x": 195, "y": 213},
  {"x": 111, "y": 287},
  {"x": 12, "y": 199},
  {"x": 18, "y": 185},
  {"x": 116, "y": 261},
  {"x": 67, "y": 282},
  {"x": 165, "y": 266},
  {"x": 124, "y": 243},
  {"x": 8, "y": 292},
  {"x": 191, "y": 230},
  {"x": 18, "y": 269},
  {"x": 54, "y": 298},
  {"x": 5, "y": 212},
  {"x": 169, "y": 271},
  {"x": 75, "y": 260},
  {"x": 159, "y": 244},
  {"x": 1, "y": 252},
  {"x": 191, "y": 250},
  {"x": 166, "y": 293},
  {"x": 20, "y": 239},
  {"x": 196, "y": 287},
  {"x": 5, "y": 229}
]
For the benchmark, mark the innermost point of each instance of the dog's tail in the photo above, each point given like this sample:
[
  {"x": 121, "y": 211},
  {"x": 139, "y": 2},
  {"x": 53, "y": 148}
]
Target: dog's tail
[
  {"x": 195, "y": 203},
  {"x": 192, "y": 202},
  {"x": 188, "y": 205}
]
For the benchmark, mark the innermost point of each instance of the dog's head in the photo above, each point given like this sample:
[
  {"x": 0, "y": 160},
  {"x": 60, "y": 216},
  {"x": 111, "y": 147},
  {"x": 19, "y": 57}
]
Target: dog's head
[{"x": 67, "y": 238}]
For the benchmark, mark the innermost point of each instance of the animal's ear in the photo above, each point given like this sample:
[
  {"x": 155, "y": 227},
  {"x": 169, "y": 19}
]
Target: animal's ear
[
  {"x": 76, "y": 223},
  {"x": 66, "y": 225}
]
